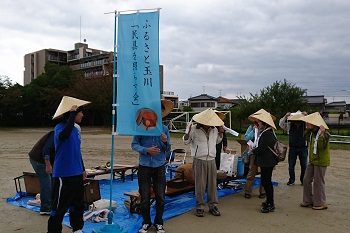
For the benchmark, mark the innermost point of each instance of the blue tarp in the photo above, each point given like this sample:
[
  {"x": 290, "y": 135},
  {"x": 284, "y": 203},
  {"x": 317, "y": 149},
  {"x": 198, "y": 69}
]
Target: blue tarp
[{"x": 131, "y": 223}]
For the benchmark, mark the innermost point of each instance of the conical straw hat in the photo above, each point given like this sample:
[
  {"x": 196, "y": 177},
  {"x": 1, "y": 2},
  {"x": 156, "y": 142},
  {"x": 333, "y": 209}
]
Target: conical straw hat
[
  {"x": 66, "y": 104},
  {"x": 168, "y": 107},
  {"x": 264, "y": 116},
  {"x": 220, "y": 114},
  {"x": 296, "y": 116},
  {"x": 208, "y": 117},
  {"x": 315, "y": 119}
]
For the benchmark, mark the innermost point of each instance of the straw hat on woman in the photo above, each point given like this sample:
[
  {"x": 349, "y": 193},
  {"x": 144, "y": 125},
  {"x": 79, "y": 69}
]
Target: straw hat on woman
[
  {"x": 264, "y": 158},
  {"x": 314, "y": 192}
]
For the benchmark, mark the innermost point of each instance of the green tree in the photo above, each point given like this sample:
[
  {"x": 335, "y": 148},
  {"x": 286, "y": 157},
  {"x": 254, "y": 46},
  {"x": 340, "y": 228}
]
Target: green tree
[
  {"x": 282, "y": 97},
  {"x": 56, "y": 76},
  {"x": 11, "y": 113},
  {"x": 187, "y": 109},
  {"x": 98, "y": 90},
  {"x": 42, "y": 96},
  {"x": 279, "y": 98}
]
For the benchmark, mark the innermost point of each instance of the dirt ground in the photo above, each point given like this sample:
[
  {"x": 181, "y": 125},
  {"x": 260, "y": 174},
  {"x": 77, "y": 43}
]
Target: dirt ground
[{"x": 238, "y": 214}]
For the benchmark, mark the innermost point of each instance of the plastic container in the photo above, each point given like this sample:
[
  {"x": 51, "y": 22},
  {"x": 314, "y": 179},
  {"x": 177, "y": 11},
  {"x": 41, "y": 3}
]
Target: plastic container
[{"x": 240, "y": 167}]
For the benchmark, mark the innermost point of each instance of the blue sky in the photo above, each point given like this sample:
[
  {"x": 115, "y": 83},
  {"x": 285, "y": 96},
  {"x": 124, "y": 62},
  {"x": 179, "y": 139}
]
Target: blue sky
[{"x": 227, "y": 47}]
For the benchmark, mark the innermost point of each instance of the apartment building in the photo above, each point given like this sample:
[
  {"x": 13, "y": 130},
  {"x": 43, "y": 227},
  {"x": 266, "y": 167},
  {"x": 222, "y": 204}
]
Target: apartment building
[
  {"x": 34, "y": 62},
  {"x": 91, "y": 62},
  {"x": 82, "y": 58}
]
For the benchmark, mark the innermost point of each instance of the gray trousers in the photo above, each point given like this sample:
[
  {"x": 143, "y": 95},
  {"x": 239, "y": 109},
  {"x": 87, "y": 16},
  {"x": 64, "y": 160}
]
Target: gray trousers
[
  {"x": 253, "y": 170},
  {"x": 205, "y": 178},
  {"x": 314, "y": 188}
]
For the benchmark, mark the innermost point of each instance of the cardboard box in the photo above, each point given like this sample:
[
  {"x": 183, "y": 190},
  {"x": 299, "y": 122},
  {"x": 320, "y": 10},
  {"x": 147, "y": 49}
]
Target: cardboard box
[
  {"x": 243, "y": 144},
  {"x": 92, "y": 191},
  {"x": 31, "y": 183}
]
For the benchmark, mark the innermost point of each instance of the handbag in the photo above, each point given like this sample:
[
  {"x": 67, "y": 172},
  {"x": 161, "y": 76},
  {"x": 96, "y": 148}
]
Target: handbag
[
  {"x": 280, "y": 150},
  {"x": 246, "y": 156}
]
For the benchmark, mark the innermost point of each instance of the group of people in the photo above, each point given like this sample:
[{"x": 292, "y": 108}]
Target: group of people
[
  {"x": 307, "y": 136},
  {"x": 57, "y": 160}
]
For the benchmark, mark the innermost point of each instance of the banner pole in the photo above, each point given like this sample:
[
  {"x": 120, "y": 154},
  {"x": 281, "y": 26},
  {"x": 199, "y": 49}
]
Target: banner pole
[{"x": 110, "y": 226}]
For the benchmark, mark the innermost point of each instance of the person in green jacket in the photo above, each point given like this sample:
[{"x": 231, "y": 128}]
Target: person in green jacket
[{"x": 314, "y": 190}]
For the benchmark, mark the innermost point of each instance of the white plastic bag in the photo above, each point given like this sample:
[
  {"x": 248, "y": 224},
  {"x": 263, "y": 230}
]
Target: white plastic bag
[
  {"x": 228, "y": 163},
  {"x": 102, "y": 204},
  {"x": 96, "y": 216}
]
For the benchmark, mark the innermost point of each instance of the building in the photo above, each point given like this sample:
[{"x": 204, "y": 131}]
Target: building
[
  {"x": 335, "y": 107},
  {"x": 82, "y": 58},
  {"x": 316, "y": 103},
  {"x": 91, "y": 62},
  {"x": 225, "y": 103},
  {"x": 34, "y": 62},
  {"x": 202, "y": 102}
]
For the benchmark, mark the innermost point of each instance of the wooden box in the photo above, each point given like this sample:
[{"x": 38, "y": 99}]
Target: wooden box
[
  {"x": 31, "y": 183},
  {"x": 91, "y": 191},
  {"x": 177, "y": 183},
  {"x": 243, "y": 144}
]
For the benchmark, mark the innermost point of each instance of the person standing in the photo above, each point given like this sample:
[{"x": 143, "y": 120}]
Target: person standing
[
  {"x": 222, "y": 145},
  {"x": 265, "y": 158},
  {"x": 314, "y": 189},
  {"x": 42, "y": 157},
  {"x": 68, "y": 170},
  {"x": 297, "y": 143},
  {"x": 152, "y": 154},
  {"x": 253, "y": 169},
  {"x": 203, "y": 138}
]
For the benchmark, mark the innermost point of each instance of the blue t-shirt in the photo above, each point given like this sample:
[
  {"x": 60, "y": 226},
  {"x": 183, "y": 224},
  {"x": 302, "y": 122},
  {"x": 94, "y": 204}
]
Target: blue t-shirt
[{"x": 68, "y": 161}]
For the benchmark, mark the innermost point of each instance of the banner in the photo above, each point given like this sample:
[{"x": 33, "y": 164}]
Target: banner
[{"x": 138, "y": 83}]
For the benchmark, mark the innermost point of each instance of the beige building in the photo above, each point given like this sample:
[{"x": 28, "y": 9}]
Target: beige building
[
  {"x": 34, "y": 62},
  {"x": 91, "y": 62},
  {"x": 81, "y": 58}
]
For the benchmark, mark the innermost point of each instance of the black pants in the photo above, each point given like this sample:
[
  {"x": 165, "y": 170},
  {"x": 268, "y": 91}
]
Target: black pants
[
  {"x": 266, "y": 176},
  {"x": 68, "y": 194},
  {"x": 146, "y": 177}
]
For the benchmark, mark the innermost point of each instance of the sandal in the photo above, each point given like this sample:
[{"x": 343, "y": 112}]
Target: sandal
[
  {"x": 305, "y": 204},
  {"x": 322, "y": 207}
]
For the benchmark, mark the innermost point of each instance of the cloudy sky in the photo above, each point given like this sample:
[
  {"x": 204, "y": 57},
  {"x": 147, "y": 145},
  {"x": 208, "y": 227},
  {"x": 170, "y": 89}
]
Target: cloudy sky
[{"x": 224, "y": 47}]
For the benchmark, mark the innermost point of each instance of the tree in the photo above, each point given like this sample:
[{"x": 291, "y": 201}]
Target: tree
[
  {"x": 11, "y": 113},
  {"x": 279, "y": 98},
  {"x": 98, "y": 90},
  {"x": 187, "y": 109},
  {"x": 282, "y": 97}
]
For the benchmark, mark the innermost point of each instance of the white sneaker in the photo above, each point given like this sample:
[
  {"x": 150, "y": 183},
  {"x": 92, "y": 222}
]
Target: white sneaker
[
  {"x": 160, "y": 228},
  {"x": 145, "y": 227},
  {"x": 78, "y": 231}
]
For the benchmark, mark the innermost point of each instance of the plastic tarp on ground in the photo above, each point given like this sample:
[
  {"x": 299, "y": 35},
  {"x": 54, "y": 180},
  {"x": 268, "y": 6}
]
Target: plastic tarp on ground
[{"x": 131, "y": 223}]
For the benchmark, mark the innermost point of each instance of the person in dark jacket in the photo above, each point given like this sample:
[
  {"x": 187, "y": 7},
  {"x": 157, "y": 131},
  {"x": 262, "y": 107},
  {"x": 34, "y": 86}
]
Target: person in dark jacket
[
  {"x": 264, "y": 157},
  {"x": 222, "y": 145},
  {"x": 297, "y": 143}
]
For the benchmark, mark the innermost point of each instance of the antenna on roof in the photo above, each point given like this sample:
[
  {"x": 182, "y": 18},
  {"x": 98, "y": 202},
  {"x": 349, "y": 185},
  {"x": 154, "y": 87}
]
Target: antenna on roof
[{"x": 80, "y": 28}]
